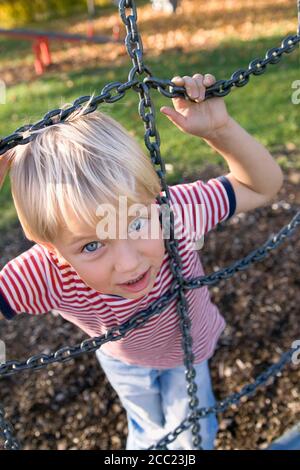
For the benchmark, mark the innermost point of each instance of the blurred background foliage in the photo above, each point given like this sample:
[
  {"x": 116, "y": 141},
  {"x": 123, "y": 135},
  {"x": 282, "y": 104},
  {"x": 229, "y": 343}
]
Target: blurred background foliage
[
  {"x": 224, "y": 39},
  {"x": 17, "y": 12}
]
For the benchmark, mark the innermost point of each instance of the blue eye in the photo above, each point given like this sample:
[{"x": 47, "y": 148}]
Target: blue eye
[
  {"x": 92, "y": 244},
  {"x": 139, "y": 223}
]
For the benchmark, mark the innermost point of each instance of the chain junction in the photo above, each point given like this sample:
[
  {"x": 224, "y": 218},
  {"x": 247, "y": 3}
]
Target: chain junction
[{"x": 141, "y": 81}]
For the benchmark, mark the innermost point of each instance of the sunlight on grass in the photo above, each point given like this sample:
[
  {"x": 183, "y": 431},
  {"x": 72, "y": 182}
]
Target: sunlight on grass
[{"x": 264, "y": 107}]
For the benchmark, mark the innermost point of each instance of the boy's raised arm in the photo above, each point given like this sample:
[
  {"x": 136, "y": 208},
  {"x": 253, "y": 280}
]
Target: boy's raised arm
[
  {"x": 254, "y": 174},
  {"x": 30, "y": 283}
]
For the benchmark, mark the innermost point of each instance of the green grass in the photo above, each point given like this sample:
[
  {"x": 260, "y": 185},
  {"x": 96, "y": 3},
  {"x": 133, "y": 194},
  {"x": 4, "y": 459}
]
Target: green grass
[{"x": 263, "y": 107}]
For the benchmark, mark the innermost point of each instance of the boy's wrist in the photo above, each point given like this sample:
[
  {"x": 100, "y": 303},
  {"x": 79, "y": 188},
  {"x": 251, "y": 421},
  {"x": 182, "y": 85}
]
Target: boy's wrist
[{"x": 222, "y": 133}]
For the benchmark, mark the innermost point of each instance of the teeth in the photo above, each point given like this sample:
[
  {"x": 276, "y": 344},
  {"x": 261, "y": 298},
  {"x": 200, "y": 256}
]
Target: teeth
[{"x": 137, "y": 279}]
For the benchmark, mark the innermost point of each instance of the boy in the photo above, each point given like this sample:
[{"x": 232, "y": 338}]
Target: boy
[{"x": 64, "y": 183}]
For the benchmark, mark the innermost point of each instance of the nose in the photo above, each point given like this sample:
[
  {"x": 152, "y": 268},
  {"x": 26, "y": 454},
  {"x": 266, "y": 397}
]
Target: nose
[{"x": 127, "y": 258}]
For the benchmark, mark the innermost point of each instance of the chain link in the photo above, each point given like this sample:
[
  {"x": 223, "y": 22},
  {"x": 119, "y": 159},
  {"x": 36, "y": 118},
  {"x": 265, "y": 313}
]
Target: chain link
[
  {"x": 111, "y": 93},
  {"x": 157, "y": 307},
  {"x": 233, "y": 399},
  {"x": 6, "y": 430}
]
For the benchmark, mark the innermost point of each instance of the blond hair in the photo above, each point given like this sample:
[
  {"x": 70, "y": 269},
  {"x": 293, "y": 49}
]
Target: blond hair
[{"x": 75, "y": 166}]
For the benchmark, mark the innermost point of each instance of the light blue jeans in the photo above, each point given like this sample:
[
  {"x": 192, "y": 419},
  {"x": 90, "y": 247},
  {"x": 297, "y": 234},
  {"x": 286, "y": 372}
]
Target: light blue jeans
[{"x": 156, "y": 401}]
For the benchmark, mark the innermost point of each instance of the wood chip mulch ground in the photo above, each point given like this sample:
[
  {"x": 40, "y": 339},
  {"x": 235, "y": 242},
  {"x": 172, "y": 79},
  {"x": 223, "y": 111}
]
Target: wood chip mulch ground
[{"x": 72, "y": 406}]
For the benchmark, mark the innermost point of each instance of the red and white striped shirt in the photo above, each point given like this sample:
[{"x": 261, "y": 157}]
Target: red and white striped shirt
[{"x": 38, "y": 282}]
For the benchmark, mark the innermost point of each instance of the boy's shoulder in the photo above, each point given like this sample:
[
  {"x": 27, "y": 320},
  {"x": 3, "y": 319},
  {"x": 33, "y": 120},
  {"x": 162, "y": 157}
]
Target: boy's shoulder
[
  {"x": 30, "y": 283},
  {"x": 36, "y": 253},
  {"x": 216, "y": 194},
  {"x": 200, "y": 205},
  {"x": 36, "y": 265}
]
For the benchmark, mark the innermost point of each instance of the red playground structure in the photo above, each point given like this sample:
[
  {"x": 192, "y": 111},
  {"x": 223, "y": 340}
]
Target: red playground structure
[{"x": 41, "y": 42}]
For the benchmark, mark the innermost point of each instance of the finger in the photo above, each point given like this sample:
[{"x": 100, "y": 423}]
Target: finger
[
  {"x": 173, "y": 115},
  {"x": 209, "y": 79},
  {"x": 198, "y": 77},
  {"x": 178, "y": 80},
  {"x": 191, "y": 87}
]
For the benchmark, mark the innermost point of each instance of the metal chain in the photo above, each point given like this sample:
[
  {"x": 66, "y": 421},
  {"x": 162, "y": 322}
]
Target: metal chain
[
  {"x": 247, "y": 391},
  {"x": 221, "y": 406},
  {"x": 60, "y": 115},
  {"x": 6, "y": 430},
  {"x": 165, "y": 86},
  {"x": 240, "y": 78},
  {"x": 152, "y": 141},
  {"x": 67, "y": 353}
]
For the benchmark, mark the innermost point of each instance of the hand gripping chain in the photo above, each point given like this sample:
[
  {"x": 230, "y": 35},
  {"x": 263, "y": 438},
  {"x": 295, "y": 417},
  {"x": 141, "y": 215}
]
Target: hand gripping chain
[{"x": 111, "y": 93}]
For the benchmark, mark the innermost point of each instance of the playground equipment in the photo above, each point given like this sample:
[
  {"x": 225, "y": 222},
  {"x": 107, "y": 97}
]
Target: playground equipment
[
  {"x": 111, "y": 93},
  {"x": 41, "y": 42},
  {"x": 91, "y": 15}
]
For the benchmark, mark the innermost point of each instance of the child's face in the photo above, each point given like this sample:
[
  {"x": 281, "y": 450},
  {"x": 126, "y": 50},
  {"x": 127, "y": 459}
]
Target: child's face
[{"x": 104, "y": 265}]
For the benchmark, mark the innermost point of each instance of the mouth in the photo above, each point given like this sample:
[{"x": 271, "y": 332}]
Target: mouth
[{"x": 137, "y": 284}]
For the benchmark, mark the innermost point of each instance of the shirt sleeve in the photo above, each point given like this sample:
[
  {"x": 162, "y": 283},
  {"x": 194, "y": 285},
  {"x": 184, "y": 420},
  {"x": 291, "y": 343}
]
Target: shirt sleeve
[
  {"x": 29, "y": 284},
  {"x": 200, "y": 206}
]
